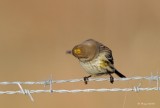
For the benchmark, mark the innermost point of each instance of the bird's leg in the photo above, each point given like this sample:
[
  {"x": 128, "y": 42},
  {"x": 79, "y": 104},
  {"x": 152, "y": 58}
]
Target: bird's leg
[
  {"x": 86, "y": 79},
  {"x": 111, "y": 78}
]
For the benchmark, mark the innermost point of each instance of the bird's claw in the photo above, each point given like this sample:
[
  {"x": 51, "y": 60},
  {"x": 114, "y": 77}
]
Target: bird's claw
[
  {"x": 111, "y": 79},
  {"x": 86, "y": 79}
]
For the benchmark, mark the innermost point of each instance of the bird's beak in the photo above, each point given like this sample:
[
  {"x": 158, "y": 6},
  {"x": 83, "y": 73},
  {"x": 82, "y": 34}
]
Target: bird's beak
[{"x": 68, "y": 52}]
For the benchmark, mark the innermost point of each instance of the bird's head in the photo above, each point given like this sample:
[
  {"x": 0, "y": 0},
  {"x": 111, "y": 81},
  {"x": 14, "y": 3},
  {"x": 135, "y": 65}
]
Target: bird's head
[{"x": 85, "y": 51}]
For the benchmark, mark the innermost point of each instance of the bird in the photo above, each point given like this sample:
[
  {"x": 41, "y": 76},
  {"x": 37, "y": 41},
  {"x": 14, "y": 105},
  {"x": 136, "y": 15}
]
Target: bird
[{"x": 96, "y": 59}]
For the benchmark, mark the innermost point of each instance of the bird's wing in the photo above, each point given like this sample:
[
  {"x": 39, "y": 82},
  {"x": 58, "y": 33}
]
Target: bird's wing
[{"x": 108, "y": 53}]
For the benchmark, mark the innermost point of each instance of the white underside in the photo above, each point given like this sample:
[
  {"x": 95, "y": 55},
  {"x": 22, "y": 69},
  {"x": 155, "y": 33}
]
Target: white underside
[{"x": 93, "y": 67}]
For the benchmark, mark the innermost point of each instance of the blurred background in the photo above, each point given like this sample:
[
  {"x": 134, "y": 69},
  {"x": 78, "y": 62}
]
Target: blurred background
[{"x": 35, "y": 34}]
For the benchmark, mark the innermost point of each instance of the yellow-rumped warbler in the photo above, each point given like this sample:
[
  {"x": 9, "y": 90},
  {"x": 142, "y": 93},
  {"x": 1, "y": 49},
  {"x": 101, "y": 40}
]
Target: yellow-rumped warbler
[{"x": 96, "y": 59}]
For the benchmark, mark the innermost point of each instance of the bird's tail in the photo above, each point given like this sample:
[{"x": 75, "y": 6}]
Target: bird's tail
[{"x": 119, "y": 74}]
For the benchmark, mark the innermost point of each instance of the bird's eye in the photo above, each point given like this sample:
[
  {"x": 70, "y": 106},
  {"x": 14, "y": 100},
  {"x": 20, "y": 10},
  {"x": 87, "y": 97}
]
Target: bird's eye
[{"x": 77, "y": 51}]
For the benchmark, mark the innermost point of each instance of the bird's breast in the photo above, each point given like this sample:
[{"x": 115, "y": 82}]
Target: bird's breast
[{"x": 96, "y": 66}]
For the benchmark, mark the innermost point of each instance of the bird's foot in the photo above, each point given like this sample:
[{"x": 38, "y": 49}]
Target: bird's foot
[
  {"x": 111, "y": 79},
  {"x": 86, "y": 79}
]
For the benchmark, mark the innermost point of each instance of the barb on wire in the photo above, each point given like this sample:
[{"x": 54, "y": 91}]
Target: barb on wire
[
  {"x": 25, "y": 92},
  {"x": 47, "y": 82},
  {"x": 158, "y": 80}
]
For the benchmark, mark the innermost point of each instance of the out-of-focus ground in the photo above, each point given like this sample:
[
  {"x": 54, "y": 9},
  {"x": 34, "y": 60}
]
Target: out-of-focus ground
[{"x": 35, "y": 34}]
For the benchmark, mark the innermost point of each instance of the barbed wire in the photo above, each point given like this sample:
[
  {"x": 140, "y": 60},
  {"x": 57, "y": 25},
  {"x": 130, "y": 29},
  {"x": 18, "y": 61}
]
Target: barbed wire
[
  {"x": 46, "y": 82},
  {"x": 51, "y": 82},
  {"x": 135, "y": 89}
]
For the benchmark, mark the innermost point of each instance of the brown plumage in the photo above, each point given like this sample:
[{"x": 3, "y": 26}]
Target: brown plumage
[{"x": 96, "y": 59}]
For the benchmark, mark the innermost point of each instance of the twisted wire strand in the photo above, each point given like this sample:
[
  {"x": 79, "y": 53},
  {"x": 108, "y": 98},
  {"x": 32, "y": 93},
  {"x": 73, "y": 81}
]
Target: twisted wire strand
[
  {"x": 47, "y": 82},
  {"x": 135, "y": 89}
]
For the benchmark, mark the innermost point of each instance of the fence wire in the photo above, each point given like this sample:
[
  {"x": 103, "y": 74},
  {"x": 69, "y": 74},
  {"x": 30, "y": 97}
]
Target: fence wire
[
  {"x": 51, "y": 83},
  {"x": 153, "y": 78}
]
